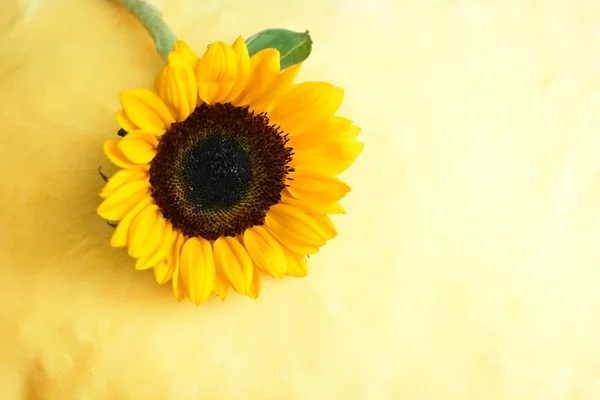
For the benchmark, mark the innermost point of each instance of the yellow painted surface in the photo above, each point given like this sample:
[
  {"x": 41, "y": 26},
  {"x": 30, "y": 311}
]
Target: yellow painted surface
[{"x": 467, "y": 267}]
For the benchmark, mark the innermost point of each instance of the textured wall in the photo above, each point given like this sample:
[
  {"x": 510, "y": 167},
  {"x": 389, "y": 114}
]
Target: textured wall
[{"x": 466, "y": 268}]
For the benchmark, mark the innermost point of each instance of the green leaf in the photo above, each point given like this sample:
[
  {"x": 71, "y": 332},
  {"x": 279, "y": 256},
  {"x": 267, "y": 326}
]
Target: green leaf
[{"x": 294, "y": 47}]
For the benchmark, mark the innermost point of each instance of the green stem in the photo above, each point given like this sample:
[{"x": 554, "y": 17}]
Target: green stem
[{"x": 151, "y": 17}]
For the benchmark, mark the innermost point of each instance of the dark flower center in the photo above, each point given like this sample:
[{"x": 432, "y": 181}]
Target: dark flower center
[{"x": 218, "y": 172}]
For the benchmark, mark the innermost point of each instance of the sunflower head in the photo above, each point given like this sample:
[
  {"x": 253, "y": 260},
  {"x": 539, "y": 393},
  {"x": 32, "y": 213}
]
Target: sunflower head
[{"x": 228, "y": 171}]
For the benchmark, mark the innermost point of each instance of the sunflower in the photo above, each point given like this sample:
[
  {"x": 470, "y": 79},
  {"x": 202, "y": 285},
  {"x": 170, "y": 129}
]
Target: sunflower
[{"x": 228, "y": 170}]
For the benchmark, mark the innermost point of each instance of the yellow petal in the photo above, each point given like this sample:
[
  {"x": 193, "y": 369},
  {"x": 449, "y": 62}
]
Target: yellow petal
[
  {"x": 331, "y": 158},
  {"x": 147, "y": 110},
  {"x": 161, "y": 87},
  {"x": 294, "y": 228},
  {"x": 296, "y": 264},
  {"x": 173, "y": 255},
  {"x": 351, "y": 133},
  {"x": 176, "y": 85},
  {"x": 164, "y": 247},
  {"x": 197, "y": 269},
  {"x": 122, "y": 177},
  {"x": 243, "y": 69},
  {"x": 146, "y": 232},
  {"x": 264, "y": 68},
  {"x": 322, "y": 133},
  {"x": 216, "y": 73},
  {"x": 139, "y": 147},
  {"x": 169, "y": 238},
  {"x": 162, "y": 273},
  {"x": 178, "y": 286},
  {"x": 116, "y": 156},
  {"x": 150, "y": 260},
  {"x": 254, "y": 289},
  {"x": 119, "y": 236},
  {"x": 234, "y": 262},
  {"x": 305, "y": 105},
  {"x": 325, "y": 225},
  {"x": 311, "y": 207},
  {"x": 221, "y": 288},
  {"x": 125, "y": 122},
  {"x": 312, "y": 185},
  {"x": 265, "y": 250},
  {"x": 174, "y": 264},
  {"x": 123, "y": 200},
  {"x": 186, "y": 53},
  {"x": 278, "y": 87}
]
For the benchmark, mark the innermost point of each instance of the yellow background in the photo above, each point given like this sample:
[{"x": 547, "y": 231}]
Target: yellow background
[{"x": 467, "y": 266}]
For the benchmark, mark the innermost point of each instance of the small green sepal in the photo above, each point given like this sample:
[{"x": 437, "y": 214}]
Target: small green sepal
[{"x": 104, "y": 177}]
